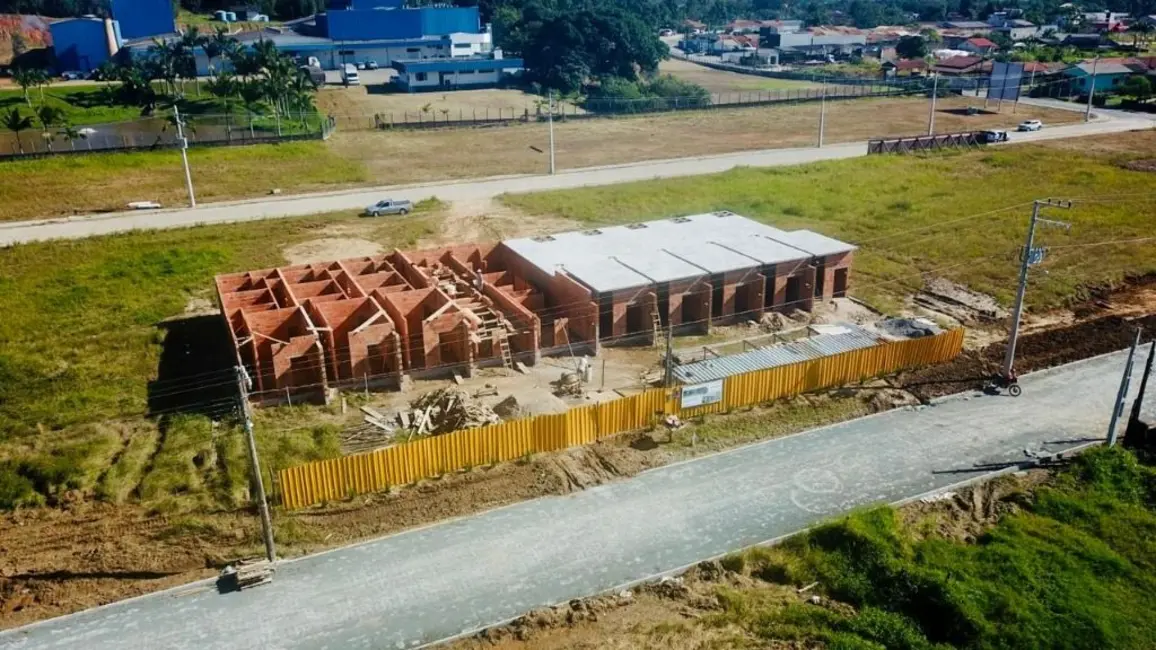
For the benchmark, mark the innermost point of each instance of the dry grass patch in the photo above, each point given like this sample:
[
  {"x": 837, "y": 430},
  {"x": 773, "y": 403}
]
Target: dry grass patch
[
  {"x": 67, "y": 185},
  {"x": 434, "y": 155},
  {"x": 721, "y": 81}
]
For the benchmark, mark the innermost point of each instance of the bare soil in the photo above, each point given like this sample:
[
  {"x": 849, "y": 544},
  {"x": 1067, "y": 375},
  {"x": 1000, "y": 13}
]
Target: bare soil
[{"x": 523, "y": 149}]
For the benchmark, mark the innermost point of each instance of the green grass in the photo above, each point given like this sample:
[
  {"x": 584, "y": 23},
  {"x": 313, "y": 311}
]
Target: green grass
[
  {"x": 871, "y": 200},
  {"x": 1076, "y": 569},
  {"x": 80, "y": 104},
  {"x": 65, "y": 185},
  {"x": 81, "y": 326}
]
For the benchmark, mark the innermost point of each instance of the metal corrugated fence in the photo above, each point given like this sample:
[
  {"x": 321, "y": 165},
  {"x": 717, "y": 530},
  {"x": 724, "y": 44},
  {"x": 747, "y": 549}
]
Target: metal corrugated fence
[{"x": 339, "y": 478}]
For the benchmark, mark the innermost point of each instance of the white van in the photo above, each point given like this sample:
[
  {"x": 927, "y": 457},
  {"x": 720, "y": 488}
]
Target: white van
[{"x": 349, "y": 75}]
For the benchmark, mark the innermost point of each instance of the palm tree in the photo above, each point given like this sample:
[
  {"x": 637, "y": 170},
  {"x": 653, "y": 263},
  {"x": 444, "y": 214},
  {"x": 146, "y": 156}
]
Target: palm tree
[
  {"x": 49, "y": 117},
  {"x": 215, "y": 45},
  {"x": 15, "y": 122},
  {"x": 25, "y": 78},
  {"x": 224, "y": 86},
  {"x": 164, "y": 62}
]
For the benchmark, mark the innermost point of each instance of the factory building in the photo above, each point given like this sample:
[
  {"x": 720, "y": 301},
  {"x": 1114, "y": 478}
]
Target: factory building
[{"x": 305, "y": 328}]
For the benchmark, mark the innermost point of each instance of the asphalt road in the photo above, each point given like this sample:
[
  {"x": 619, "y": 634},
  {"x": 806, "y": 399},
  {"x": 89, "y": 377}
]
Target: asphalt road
[
  {"x": 305, "y": 204},
  {"x": 452, "y": 578}
]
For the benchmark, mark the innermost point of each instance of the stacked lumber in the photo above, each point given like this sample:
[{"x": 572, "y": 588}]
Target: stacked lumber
[{"x": 449, "y": 409}]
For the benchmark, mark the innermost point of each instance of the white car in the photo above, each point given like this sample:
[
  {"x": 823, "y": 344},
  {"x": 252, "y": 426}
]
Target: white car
[{"x": 1030, "y": 125}]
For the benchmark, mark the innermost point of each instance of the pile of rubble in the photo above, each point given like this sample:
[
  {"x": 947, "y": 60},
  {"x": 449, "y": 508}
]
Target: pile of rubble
[{"x": 446, "y": 410}]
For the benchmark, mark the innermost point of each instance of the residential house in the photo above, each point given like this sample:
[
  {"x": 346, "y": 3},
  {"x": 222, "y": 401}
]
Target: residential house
[
  {"x": 741, "y": 26},
  {"x": 959, "y": 66},
  {"x": 979, "y": 45},
  {"x": 1018, "y": 30},
  {"x": 969, "y": 26},
  {"x": 693, "y": 27},
  {"x": 1085, "y": 41},
  {"x": 781, "y": 27},
  {"x": 1108, "y": 73},
  {"x": 1105, "y": 21},
  {"x": 904, "y": 68},
  {"x": 733, "y": 43}
]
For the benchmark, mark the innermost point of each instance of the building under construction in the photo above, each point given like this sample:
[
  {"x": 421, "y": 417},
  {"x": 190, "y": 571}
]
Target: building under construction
[{"x": 301, "y": 329}]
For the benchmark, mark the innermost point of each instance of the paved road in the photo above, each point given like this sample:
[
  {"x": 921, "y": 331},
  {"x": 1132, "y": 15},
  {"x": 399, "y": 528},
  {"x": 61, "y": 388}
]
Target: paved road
[
  {"x": 298, "y": 205},
  {"x": 444, "y": 580}
]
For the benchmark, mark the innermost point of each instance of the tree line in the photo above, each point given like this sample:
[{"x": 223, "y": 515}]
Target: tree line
[{"x": 260, "y": 79}]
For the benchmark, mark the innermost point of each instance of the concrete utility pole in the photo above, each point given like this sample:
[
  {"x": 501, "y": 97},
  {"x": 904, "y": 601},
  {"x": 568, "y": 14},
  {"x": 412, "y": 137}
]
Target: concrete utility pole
[
  {"x": 184, "y": 142},
  {"x": 1091, "y": 90},
  {"x": 1031, "y": 256},
  {"x": 243, "y": 385},
  {"x": 822, "y": 113},
  {"x": 931, "y": 114},
  {"x": 1118, "y": 407},
  {"x": 551, "y": 120}
]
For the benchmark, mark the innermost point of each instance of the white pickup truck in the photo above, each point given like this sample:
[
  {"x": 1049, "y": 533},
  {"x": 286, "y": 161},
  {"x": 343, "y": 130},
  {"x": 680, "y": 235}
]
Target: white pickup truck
[{"x": 389, "y": 206}]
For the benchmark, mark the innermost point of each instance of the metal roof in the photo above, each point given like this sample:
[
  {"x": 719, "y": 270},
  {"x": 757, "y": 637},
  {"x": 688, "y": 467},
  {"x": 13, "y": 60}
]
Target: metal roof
[
  {"x": 636, "y": 255},
  {"x": 833, "y": 340},
  {"x": 455, "y": 64}
]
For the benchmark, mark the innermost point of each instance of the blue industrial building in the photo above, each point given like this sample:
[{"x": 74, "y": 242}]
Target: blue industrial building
[
  {"x": 349, "y": 31},
  {"x": 144, "y": 18},
  {"x": 82, "y": 44}
]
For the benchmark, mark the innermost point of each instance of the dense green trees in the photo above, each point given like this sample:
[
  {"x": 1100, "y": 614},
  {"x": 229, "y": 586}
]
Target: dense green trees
[{"x": 567, "y": 51}]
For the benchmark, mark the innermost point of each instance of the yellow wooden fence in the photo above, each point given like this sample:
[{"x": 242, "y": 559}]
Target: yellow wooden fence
[{"x": 338, "y": 478}]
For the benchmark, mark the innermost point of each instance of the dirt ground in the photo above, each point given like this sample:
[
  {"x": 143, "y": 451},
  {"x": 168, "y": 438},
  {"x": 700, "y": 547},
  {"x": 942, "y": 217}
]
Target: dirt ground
[
  {"x": 675, "y": 613},
  {"x": 355, "y": 107},
  {"x": 1104, "y": 323},
  {"x": 524, "y": 148}
]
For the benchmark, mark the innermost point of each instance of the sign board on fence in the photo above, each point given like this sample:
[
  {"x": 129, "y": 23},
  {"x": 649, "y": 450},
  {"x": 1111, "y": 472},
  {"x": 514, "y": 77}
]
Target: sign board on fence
[{"x": 702, "y": 394}]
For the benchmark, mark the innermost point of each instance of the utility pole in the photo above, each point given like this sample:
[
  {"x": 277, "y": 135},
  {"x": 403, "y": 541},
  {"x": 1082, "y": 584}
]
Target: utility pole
[
  {"x": 243, "y": 385},
  {"x": 1118, "y": 406},
  {"x": 184, "y": 142},
  {"x": 1091, "y": 89},
  {"x": 1030, "y": 257},
  {"x": 931, "y": 114},
  {"x": 551, "y": 120},
  {"x": 822, "y": 113},
  {"x": 1138, "y": 403}
]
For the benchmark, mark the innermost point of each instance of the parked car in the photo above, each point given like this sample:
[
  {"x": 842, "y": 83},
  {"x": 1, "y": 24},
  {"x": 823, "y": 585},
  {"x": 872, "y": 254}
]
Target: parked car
[
  {"x": 72, "y": 75},
  {"x": 349, "y": 75},
  {"x": 361, "y": 65},
  {"x": 995, "y": 136},
  {"x": 389, "y": 206},
  {"x": 371, "y": 65},
  {"x": 1030, "y": 125}
]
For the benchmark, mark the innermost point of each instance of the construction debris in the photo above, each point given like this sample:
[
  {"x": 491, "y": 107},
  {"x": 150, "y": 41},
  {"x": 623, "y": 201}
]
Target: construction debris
[
  {"x": 449, "y": 409},
  {"x": 508, "y": 408},
  {"x": 246, "y": 574},
  {"x": 908, "y": 328}
]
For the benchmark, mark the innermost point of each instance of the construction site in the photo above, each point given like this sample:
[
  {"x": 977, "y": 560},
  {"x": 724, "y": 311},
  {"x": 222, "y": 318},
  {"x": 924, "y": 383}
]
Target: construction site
[{"x": 381, "y": 321}]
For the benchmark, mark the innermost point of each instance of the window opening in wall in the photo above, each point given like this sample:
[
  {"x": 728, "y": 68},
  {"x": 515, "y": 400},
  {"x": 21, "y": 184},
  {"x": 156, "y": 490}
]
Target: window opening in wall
[
  {"x": 664, "y": 303},
  {"x": 820, "y": 275},
  {"x": 634, "y": 320},
  {"x": 794, "y": 285},
  {"x": 840, "y": 283},
  {"x": 768, "y": 272},
  {"x": 605, "y": 315}
]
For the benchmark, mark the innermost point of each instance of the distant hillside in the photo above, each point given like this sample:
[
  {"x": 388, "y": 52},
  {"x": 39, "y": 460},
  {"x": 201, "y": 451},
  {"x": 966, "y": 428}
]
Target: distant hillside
[{"x": 33, "y": 30}]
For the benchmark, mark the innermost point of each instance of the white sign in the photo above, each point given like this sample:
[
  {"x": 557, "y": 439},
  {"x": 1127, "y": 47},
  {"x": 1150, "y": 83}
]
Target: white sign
[{"x": 702, "y": 394}]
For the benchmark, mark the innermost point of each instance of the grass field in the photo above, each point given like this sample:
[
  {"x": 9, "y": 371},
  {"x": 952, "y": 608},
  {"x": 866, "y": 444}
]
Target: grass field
[
  {"x": 72, "y": 185},
  {"x": 49, "y": 187},
  {"x": 722, "y": 82},
  {"x": 90, "y": 104},
  {"x": 870, "y": 200},
  {"x": 85, "y": 321}
]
